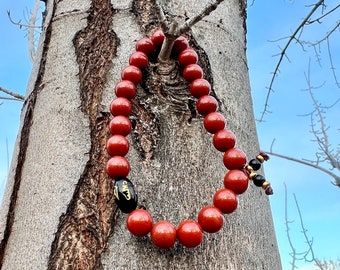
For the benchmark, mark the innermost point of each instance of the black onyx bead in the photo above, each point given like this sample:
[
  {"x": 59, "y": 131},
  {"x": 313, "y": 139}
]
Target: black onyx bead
[
  {"x": 258, "y": 180},
  {"x": 125, "y": 195},
  {"x": 255, "y": 164}
]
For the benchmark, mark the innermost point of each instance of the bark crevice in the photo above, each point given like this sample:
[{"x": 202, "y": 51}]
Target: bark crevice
[{"x": 84, "y": 229}]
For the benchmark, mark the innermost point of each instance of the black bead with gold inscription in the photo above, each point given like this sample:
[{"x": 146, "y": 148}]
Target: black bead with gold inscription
[{"x": 125, "y": 195}]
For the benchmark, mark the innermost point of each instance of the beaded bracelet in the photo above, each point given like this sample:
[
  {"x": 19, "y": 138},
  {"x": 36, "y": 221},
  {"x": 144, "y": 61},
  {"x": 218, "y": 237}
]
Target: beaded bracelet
[{"x": 210, "y": 218}]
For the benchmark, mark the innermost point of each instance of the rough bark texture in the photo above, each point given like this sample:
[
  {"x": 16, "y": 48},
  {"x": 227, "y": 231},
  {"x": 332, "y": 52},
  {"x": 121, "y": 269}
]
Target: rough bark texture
[{"x": 59, "y": 202}]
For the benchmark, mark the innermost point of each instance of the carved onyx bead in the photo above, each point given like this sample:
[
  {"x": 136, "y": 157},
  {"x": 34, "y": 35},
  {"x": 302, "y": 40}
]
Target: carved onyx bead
[{"x": 125, "y": 195}]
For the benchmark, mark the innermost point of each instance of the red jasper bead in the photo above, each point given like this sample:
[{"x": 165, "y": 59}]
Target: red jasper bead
[
  {"x": 180, "y": 44},
  {"x": 211, "y": 219},
  {"x": 214, "y": 122},
  {"x": 234, "y": 158},
  {"x": 120, "y": 125},
  {"x": 199, "y": 88},
  {"x": 223, "y": 140},
  {"x": 145, "y": 45},
  {"x": 117, "y": 166},
  {"x": 190, "y": 233},
  {"x": 187, "y": 57},
  {"x": 192, "y": 72},
  {"x": 158, "y": 37},
  {"x": 236, "y": 180},
  {"x": 206, "y": 104},
  {"x": 117, "y": 145},
  {"x": 126, "y": 89},
  {"x": 133, "y": 74},
  {"x": 225, "y": 200},
  {"x": 139, "y": 222},
  {"x": 163, "y": 234},
  {"x": 120, "y": 106},
  {"x": 139, "y": 59}
]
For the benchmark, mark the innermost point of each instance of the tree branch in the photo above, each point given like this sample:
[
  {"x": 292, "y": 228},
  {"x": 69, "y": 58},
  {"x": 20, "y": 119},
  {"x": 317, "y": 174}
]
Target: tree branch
[
  {"x": 283, "y": 53},
  {"x": 14, "y": 96}
]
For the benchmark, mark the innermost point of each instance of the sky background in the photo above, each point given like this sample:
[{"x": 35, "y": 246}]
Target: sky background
[{"x": 268, "y": 20}]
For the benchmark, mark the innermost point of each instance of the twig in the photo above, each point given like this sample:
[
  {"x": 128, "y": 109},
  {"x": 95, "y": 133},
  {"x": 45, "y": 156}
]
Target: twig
[
  {"x": 14, "y": 96},
  {"x": 205, "y": 12},
  {"x": 336, "y": 178},
  {"x": 293, "y": 253},
  {"x": 30, "y": 30},
  {"x": 308, "y": 241},
  {"x": 283, "y": 53}
]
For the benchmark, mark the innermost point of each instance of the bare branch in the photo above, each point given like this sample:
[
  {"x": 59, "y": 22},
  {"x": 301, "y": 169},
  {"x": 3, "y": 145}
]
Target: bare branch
[
  {"x": 293, "y": 253},
  {"x": 283, "y": 53},
  {"x": 205, "y": 12},
  {"x": 30, "y": 30},
  {"x": 19, "y": 23},
  {"x": 323, "y": 15},
  {"x": 332, "y": 65},
  {"x": 308, "y": 241},
  {"x": 14, "y": 96},
  {"x": 310, "y": 164}
]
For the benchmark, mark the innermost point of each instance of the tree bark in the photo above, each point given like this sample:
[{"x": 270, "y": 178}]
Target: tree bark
[{"x": 58, "y": 211}]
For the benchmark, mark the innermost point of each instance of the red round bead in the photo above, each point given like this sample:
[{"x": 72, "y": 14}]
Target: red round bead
[
  {"x": 121, "y": 106},
  {"x": 158, "y": 37},
  {"x": 225, "y": 200},
  {"x": 133, "y": 74},
  {"x": 117, "y": 145},
  {"x": 117, "y": 166},
  {"x": 145, "y": 45},
  {"x": 126, "y": 89},
  {"x": 236, "y": 180},
  {"x": 224, "y": 139},
  {"x": 120, "y": 125},
  {"x": 199, "y": 88},
  {"x": 192, "y": 72},
  {"x": 214, "y": 122},
  {"x": 211, "y": 219},
  {"x": 234, "y": 158},
  {"x": 163, "y": 234},
  {"x": 139, "y": 222},
  {"x": 180, "y": 44},
  {"x": 190, "y": 233},
  {"x": 139, "y": 59},
  {"x": 187, "y": 57},
  {"x": 206, "y": 104}
]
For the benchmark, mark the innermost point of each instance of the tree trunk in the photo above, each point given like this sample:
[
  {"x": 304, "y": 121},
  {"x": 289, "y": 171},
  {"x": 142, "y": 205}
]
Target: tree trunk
[{"x": 58, "y": 211}]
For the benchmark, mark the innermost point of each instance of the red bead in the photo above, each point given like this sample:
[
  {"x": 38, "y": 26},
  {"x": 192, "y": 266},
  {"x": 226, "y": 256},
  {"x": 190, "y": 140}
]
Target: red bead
[
  {"x": 234, "y": 158},
  {"x": 190, "y": 233},
  {"x": 206, "y": 105},
  {"x": 145, "y": 45},
  {"x": 158, "y": 37},
  {"x": 133, "y": 74},
  {"x": 117, "y": 145},
  {"x": 139, "y": 59},
  {"x": 199, "y": 88},
  {"x": 214, "y": 122},
  {"x": 126, "y": 89},
  {"x": 192, "y": 72},
  {"x": 121, "y": 106},
  {"x": 187, "y": 57},
  {"x": 224, "y": 139},
  {"x": 139, "y": 222},
  {"x": 180, "y": 44},
  {"x": 120, "y": 125},
  {"x": 117, "y": 166},
  {"x": 163, "y": 234},
  {"x": 225, "y": 200},
  {"x": 211, "y": 219},
  {"x": 236, "y": 180}
]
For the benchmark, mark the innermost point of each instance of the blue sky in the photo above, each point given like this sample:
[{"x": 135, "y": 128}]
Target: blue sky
[{"x": 267, "y": 20}]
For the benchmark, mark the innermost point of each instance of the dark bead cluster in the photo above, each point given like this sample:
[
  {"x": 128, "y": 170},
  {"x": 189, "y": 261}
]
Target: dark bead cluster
[{"x": 258, "y": 179}]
